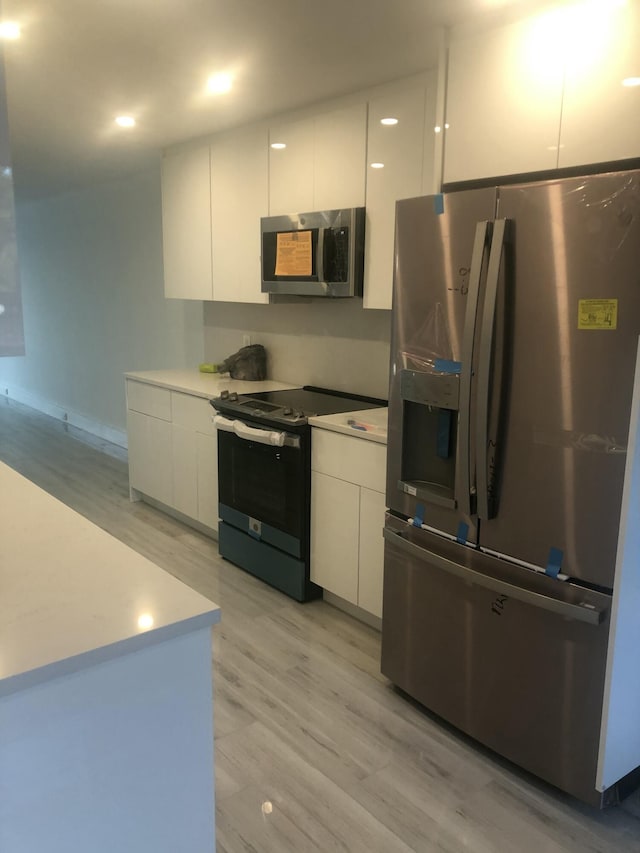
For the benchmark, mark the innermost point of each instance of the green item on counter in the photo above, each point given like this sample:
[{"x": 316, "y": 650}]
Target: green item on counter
[{"x": 208, "y": 368}]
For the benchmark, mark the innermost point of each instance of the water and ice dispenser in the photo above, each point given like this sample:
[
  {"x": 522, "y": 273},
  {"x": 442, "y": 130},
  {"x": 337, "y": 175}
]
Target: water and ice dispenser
[{"x": 429, "y": 435}]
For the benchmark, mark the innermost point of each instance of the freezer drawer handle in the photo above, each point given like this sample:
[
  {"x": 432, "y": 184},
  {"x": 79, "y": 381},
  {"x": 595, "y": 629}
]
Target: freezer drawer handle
[{"x": 579, "y": 612}]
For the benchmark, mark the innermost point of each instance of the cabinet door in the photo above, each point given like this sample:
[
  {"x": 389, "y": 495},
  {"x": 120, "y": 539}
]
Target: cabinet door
[
  {"x": 150, "y": 465},
  {"x": 340, "y": 140},
  {"x": 239, "y": 197},
  {"x": 185, "y": 470},
  {"x": 504, "y": 100},
  {"x": 600, "y": 115},
  {"x": 371, "y": 551},
  {"x": 291, "y": 167},
  {"x": 207, "y": 465},
  {"x": 349, "y": 458},
  {"x": 186, "y": 223},
  {"x": 323, "y": 164},
  {"x": 395, "y": 159},
  {"x": 335, "y": 515}
]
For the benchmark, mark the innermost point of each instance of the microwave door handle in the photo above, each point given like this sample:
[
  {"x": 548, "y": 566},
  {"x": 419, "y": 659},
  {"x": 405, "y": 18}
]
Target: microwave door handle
[
  {"x": 320, "y": 255},
  {"x": 484, "y": 387},
  {"x": 468, "y": 338}
]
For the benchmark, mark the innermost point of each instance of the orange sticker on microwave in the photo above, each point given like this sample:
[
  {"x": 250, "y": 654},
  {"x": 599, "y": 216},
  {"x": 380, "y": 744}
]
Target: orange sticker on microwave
[
  {"x": 597, "y": 313},
  {"x": 294, "y": 254}
]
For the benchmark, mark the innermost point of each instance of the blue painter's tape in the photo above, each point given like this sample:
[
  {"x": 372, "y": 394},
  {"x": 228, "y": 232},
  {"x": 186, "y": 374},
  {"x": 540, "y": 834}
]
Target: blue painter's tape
[
  {"x": 463, "y": 532},
  {"x": 447, "y": 365},
  {"x": 554, "y": 562},
  {"x": 438, "y": 203},
  {"x": 418, "y": 516}
]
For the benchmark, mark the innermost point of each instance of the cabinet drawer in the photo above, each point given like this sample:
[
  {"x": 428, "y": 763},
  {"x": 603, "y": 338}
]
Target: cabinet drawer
[
  {"x": 355, "y": 460},
  {"x": 149, "y": 400},
  {"x": 192, "y": 412}
]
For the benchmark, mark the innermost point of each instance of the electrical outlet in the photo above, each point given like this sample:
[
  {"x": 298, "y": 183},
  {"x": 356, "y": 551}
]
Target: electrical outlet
[{"x": 246, "y": 340}]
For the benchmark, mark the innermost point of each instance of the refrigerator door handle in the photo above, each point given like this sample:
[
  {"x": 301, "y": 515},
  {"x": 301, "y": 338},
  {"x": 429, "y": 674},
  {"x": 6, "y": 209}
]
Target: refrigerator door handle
[
  {"x": 468, "y": 337},
  {"x": 484, "y": 484},
  {"x": 579, "y": 612}
]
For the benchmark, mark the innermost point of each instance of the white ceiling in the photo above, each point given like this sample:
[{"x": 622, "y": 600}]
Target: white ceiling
[{"x": 79, "y": 63}]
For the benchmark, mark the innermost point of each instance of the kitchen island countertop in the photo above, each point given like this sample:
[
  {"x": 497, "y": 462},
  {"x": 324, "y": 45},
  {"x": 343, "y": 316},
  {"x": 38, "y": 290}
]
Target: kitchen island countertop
[{"x": 73, "y": 595}]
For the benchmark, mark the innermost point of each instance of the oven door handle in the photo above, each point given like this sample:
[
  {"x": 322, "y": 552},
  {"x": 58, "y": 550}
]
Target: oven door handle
[{"x": 262, "y": 436}]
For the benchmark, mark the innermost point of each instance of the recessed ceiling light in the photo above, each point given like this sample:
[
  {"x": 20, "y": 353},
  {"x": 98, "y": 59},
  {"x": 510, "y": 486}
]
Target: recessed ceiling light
[
  {"x": 631, "y": 81},
  {"x": 278, "y": 145},
  {"x": 218, "y": 84},
  {"x": 9, "y": 30},
  {"x": 377, "y": 165},
  {"x": 389, "y": 120},
  {"x": 125, "y": 121}
]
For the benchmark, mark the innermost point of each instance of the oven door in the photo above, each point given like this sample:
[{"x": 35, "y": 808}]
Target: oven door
[{"x": 263, "y": 484}]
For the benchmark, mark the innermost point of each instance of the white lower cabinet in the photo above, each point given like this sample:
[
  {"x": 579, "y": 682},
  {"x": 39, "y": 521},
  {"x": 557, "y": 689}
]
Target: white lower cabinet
[
  {"x": 173, "y": 451},
  {"x": 347, "y": 517},
  {"x": 185, "y": 470},
  {"x": 371, "y": 550},
  {"x": 150, "y": 467},
  {"x": 207, "y": 468},
  {"x": 335, "y": 522}
]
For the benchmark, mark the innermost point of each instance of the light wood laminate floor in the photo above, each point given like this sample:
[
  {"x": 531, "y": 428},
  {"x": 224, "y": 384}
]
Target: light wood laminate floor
[{"x": 315, "y": 751}]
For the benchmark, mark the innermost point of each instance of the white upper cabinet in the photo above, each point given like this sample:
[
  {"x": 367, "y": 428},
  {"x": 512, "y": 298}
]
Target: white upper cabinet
[
  {"x": 340, "y": 156},
  {"x": 321, "y": 165},
  {"x": 601, "y": 115},
  {"x": 291, "y": 167},
  {"x": 504, "y": 99},
  {"x": 239, "y": 197},
  {"x": 396, "y": 168},
  {"x": 186, "y": 223}
]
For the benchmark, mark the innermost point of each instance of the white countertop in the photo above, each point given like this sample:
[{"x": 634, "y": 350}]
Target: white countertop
[
  {"x": 72, "y": 596},
  {"x": 207, "y": 385},
  {"x": 370, "y": 424}
]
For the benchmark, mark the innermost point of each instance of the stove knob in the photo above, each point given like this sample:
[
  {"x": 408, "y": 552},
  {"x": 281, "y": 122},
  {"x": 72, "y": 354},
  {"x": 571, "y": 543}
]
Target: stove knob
[
  {"x": 287, "y": 411},
  {"x": 297, "y": 415},
  {"x": 233, "y": 398},
  {"x": 224, "y": 395}
]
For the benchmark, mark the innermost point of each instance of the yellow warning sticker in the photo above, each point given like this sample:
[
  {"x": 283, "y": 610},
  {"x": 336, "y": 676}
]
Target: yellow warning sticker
[{"x": 597, "y": 313}]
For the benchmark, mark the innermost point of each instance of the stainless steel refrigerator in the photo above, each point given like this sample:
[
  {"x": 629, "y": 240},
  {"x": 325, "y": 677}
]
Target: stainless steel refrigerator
[{"x": 516, "y": 318}]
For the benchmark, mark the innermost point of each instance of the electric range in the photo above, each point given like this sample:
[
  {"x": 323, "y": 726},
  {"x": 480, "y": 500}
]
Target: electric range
[{"x": 264, "y": 480}]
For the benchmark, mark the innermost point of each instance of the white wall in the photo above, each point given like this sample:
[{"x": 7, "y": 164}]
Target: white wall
[
  {"x": 333, "y": 343},
  {"x": 94, "y": 307}
]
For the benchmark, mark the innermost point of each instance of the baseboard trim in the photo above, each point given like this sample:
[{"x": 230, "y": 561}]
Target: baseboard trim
[
  {"x": 353, "y": 610},
  {"x": 64, "y": 414},
  {"x": 137, "y": 495}
]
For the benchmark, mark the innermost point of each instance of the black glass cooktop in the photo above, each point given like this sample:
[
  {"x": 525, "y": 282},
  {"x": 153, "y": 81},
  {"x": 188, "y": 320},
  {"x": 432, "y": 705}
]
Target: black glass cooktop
[{"x": 294, "y": 405}]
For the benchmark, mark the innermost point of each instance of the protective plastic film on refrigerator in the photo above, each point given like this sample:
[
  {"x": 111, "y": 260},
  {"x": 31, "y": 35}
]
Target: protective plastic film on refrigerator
[{"x": 516, "y": 320}]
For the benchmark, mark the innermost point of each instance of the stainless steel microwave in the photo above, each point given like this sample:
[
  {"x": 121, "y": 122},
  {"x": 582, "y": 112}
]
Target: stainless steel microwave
[{"x": 314, "y": 254}]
